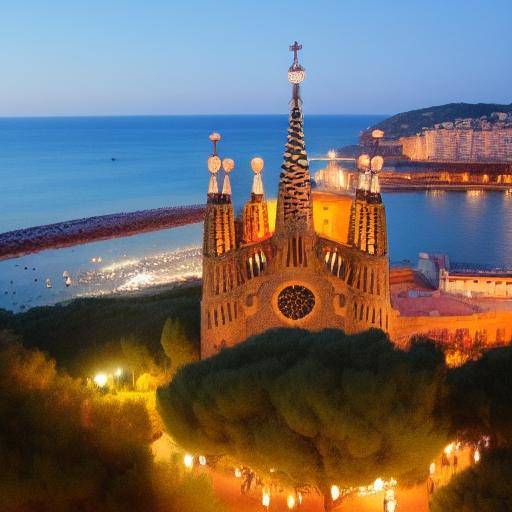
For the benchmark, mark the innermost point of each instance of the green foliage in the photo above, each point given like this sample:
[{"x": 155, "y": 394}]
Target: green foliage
[
  {"x": 319, "y": 407},
  {"x": 481, "y": 400},
  {"x": 178, "y": 345},
  {"x": 85, "y": 333},
  {"x": 64, "y": 447},
  {"x": 486, "y": 487}
]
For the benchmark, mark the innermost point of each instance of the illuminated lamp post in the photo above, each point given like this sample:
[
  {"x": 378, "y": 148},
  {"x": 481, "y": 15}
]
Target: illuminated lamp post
[
  {"x": 188, "y": 460},
  {"x": 265, "y": 498},
  {"x": 390, "y": 502}
]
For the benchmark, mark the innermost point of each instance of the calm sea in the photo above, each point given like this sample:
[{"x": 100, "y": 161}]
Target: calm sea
[{"x": 54, "y": 169}]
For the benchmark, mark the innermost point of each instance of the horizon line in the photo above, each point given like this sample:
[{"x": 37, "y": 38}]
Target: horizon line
[{"x": 64, "y": 116}]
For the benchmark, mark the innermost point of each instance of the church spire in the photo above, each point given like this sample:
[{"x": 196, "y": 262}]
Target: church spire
[
  {"x": 255, "y": 214},
  {"x": 367, "y": 230},
  {"x": 219, "y": 225},
  {"x": 294, "y": 201}
]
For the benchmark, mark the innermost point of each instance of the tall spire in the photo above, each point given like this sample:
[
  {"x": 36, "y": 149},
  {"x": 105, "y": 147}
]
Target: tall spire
[
  {"x": 255, "y": 214},
  {"x": 294, "y": 201},
  {"x": 367, "y": 230},
  {"x": 219, "y": 226}
]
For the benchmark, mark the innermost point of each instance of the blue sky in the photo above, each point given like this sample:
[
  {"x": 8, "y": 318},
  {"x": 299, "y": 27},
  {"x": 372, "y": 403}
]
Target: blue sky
[{"x": 110, "y": 57}]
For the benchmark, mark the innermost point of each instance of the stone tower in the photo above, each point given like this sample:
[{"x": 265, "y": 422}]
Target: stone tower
[{"x": 291, "y": 277}]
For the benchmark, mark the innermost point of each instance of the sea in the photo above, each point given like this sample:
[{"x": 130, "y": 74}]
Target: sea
[{"x": 55, "y": 169}]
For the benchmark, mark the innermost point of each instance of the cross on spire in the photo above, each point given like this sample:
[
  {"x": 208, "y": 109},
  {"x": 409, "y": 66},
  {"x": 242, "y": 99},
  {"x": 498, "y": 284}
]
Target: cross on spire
[{"x": 295, "y": 47}]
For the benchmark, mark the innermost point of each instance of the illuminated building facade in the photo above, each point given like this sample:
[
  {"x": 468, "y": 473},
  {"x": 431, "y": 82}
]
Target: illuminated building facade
[
  {"x": 297, "y": 275},
  {"x": 318, "y": 259}
]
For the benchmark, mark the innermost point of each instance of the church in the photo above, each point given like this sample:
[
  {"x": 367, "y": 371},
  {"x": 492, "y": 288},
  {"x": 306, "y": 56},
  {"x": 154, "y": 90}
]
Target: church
[{"x": 300, "y": 273}]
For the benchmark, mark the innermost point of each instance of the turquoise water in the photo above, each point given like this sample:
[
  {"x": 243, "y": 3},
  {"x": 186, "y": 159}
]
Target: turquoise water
[{"x": 62, "y": 168}]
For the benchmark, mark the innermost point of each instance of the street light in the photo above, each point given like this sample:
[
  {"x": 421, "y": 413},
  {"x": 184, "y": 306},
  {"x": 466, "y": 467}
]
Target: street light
[
  {"x": 265, "y": 498},
  {"x": 188, "y": 460},
  {"x": 290, "y": 501},
  {"x": 378, "y": 485},
  {"x": 335, "y": 492},
  {"x": 390, "y": 502},
  {"x": 100, "y": 379},
  {"x": 119, "y": 372}
]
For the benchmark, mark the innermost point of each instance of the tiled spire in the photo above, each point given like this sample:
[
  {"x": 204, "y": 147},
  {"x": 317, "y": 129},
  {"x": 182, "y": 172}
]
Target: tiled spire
[{"x": 294, "y": 201}]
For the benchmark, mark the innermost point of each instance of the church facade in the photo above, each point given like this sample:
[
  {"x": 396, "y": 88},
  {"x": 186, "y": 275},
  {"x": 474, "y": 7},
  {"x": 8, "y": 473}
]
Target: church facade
[{"x": 294, "y": 276}]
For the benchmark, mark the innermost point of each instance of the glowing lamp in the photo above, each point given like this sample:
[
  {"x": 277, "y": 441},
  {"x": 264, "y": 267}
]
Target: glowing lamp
[
  {"x": 290, "y": 501},
  {"x": 214, "y": 164},
  {"x": 335, "y": 492},
  {"x": 265, "y": 498},
  {"x": 188, "y": 460},
  {"x": 257, "y": 164},
  {"x": 432, "y": 468},
  {"x": 363, "y": 162},
  {"x": 378, "y": 485},
  {"x": 377, "y": 134},
  {"x": 238, "y": 473},
  {"x": 202, "y": 460},
  {"x": 377, "y": 163},
  {"x": 100, "y": 379},
  {"x": 476, "y": 456},
  {"x": 390, "y": 502},
  {"x": 448, "y": 449},
  {"x": 331, "y": 154},
  {"x": 119, "y": 372},
  {"x": 215, "y": 137},
  {"x": 228, "y": 164}
]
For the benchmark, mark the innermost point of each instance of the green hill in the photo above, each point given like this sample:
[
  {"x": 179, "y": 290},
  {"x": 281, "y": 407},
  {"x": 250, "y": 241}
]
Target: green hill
[{"x": 412, "y": 122}]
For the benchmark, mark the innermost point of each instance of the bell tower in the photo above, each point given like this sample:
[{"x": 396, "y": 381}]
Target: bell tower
[
  {"x": 367, "y": 229},
  {"x": 255, "y": 215},
  {"x": 219, "y": 223}
]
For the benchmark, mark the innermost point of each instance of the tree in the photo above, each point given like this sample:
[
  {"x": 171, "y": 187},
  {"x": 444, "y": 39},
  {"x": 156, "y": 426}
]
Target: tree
[
  {"x": 178, "y": 346},
  {"x": 136, "y": 356},
  {"x": 485, "y": 487},
  {"x": 321, "y": 408},
  {"x": 66, "y": 447},
  {"x": 481, "y": 398}
]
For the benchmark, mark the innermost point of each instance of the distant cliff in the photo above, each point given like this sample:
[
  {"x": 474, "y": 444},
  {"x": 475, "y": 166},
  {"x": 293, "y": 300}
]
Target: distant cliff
[{"x": 412, "y": 122}]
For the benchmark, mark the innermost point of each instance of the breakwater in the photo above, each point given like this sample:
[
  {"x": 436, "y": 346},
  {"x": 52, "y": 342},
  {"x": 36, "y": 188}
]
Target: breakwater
[{"x": 80, "y": 231}]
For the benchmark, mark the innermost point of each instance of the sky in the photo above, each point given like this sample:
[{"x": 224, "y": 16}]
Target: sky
[{"x": 160, "y": 57}]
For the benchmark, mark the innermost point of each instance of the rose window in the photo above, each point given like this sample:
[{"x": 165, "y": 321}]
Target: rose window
[{"x": 295, "y": 302}]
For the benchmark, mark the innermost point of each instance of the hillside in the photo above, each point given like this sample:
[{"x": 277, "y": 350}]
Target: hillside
[{"x": 412, "y": 122}]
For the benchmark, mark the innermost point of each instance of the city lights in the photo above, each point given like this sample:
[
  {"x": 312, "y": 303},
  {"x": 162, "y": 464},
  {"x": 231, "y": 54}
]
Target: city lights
[{"x": 290, "y": 501}]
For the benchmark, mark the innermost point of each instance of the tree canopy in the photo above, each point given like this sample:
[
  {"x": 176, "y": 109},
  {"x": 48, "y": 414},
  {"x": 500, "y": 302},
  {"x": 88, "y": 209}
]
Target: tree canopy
[
  {"x": 481, "y": 399},
  {"x": 179, "y": 346},
  {"x": 320, "y": 408},
  {"x": 485, "y": 487},
  {"x": 65, "y": 447}
]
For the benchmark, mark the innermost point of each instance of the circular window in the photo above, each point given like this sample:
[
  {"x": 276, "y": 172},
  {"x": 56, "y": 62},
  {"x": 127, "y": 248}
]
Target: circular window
[{"x": 295, "y": 302}]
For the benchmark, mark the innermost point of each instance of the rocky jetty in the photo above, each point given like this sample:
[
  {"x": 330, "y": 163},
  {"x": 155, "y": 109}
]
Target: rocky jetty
[{"x": 80, "y": 231}]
